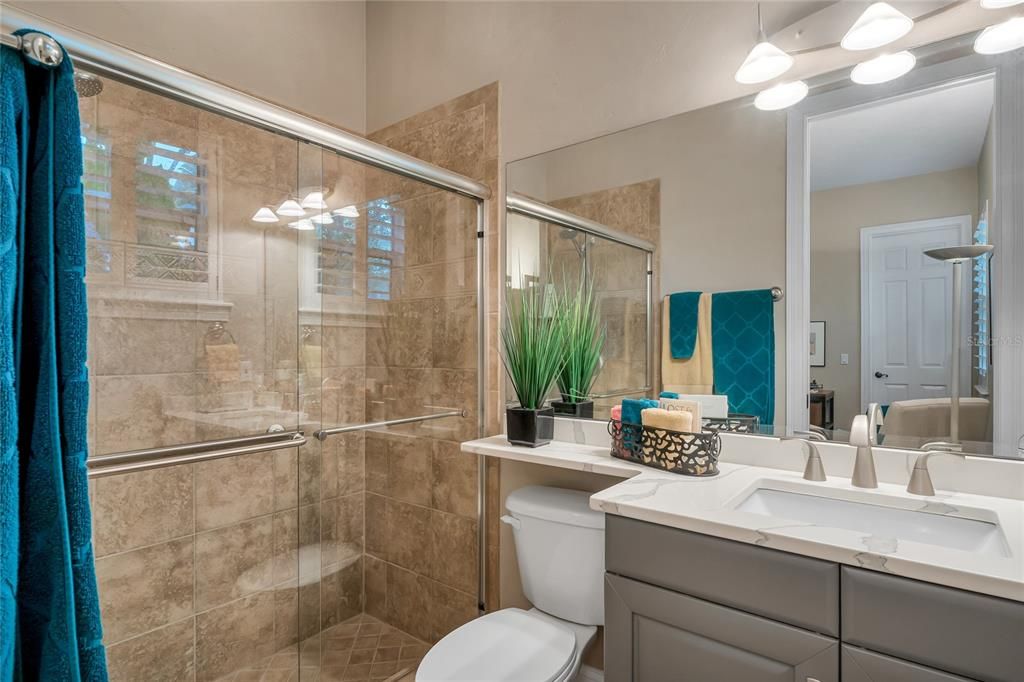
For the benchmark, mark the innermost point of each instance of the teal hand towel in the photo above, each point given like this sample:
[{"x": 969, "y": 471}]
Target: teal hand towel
[
  {"x": 50, "y": 626},
  {"x": 632, "y": 407},
  {"x": 743, "y": 337},
  {"x": 682, "y": 323},
  {"x": 669, "y": 394}
]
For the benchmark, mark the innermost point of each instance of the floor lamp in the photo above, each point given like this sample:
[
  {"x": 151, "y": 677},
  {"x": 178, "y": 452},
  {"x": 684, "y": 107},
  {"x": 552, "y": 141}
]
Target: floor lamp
[{"x": 957, "y": 255}]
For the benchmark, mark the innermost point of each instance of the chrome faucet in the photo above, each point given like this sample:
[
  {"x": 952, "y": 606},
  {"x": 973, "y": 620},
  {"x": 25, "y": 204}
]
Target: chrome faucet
[
  {"x": 814, "y": 469},
  {"x": 864, "y": 435},
  {"x": 920, "y": 478}
]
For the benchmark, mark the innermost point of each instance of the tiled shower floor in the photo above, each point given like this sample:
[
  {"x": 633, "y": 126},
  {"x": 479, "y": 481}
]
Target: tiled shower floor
[{"x": 360, "y": 649}]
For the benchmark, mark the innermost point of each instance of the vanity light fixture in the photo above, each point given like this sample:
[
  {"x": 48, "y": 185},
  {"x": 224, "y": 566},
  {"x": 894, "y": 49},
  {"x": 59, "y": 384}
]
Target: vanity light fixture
[
  {"x": 291, "y": 208},
  {"x": 303, "y": 225},
  {"x": 322, "y": 218},
  {"x": 781, "y": 96},
  {"x": 879, "y": 25},
  {"x": 314, "y": 200},
  {"x": 1000, "y": 38},
  {"x": 999, "y": 4},
  {"x": 765, "y": 61},
  {"x": 883, "y": 69},
  {"x": 265, "y": 215},
  {"x": 349, "y": 211}
]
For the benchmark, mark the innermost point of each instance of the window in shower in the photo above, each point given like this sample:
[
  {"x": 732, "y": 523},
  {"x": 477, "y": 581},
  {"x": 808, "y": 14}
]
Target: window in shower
[{"x": 386, "y": 246}]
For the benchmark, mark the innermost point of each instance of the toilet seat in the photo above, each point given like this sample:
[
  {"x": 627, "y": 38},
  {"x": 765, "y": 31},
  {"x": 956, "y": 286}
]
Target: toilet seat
[{"x": 510, "y": 645}]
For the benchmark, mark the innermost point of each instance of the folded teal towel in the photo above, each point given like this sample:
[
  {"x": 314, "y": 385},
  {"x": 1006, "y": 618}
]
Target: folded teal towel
[
  {"x": 669, "y": 394},
  {"x": 682, "y": 323},
  {"x": 743, "y": 338},
  {"x": 632, "y": 407}
]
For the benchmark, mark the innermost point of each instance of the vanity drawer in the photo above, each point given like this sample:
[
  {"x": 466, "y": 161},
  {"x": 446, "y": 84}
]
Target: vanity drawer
[
  {"x": 965, "y": 633},
  {"x": 785, "y": 587},
  {"x": 861, "y": 665}
]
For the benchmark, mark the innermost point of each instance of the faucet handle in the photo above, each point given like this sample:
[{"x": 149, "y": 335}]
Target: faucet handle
[
  {"x": 860, "y": 431},
  {"x": 814, "y": 469}
]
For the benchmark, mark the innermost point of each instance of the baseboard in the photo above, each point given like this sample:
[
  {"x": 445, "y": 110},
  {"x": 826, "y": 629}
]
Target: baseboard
[{"x": 588, "y": 674}]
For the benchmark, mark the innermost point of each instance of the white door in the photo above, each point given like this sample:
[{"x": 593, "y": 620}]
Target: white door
[{"x": 906, "y": 311}]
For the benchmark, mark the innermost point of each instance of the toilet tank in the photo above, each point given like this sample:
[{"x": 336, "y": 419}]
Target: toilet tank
[{"x": 560, "y": 548}]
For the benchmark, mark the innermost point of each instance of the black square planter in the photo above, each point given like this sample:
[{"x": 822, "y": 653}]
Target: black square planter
[
  {"x": 530, "y": 428},
  {"x": 581, "y": 410}
]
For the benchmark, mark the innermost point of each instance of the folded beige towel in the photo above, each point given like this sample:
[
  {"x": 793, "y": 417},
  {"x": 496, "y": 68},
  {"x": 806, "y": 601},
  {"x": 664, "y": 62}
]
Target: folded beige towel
[
  {"x": 697, "y": 374},
  {"x": 223, "y": 362},
  {"x": 657, "y": 418},
  {"x": 679, "y": 405}
]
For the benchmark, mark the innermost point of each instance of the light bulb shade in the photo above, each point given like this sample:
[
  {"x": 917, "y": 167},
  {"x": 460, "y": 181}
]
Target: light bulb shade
[
  {"x": 265, "y": 215},
  {"x": 314, "y": 201},
  {"x": 303, "y": 225},
  {"x": 1003, "y": 37},
  {"x": 999, "y": 4},
  {"x": 781, "y": 96},
  {"x": 883, "y": 69},
  {"x": 322, "y": 218},
  {"x": 879, "y": 25},
  {"x": 764, "y": 63},
  {"x": 290, "y": 208},
  {"x": 347, "y": 212}
]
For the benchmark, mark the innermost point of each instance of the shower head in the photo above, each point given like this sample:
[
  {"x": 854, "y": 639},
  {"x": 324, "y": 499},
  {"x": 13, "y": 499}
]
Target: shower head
[
  {"x": 959, "y": 254},
  {"x": 88, "y": 85}
]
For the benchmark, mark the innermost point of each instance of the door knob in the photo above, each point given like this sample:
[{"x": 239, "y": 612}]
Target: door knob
[{"x": 881, "y": 375}]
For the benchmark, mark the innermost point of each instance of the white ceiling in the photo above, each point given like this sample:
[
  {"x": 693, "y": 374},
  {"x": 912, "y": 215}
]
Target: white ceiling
[{"x": 932, "y": 132}]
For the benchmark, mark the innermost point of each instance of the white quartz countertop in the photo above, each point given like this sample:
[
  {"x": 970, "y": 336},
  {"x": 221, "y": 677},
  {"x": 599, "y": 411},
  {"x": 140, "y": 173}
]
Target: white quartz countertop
[{"x": 707, "y": 505}]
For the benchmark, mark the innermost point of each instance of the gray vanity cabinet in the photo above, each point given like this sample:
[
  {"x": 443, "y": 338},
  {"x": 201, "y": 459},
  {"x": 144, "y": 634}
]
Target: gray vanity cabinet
[
  {"x": 861, "y": 665},
  {"x": 656, "y": 635}
]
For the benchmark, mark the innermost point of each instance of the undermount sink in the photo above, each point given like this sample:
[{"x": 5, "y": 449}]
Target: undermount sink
[{"x": 880, "y": 522}]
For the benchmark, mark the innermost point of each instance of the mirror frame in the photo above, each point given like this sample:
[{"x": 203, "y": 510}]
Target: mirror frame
[{"x": 1007, "y": 227}]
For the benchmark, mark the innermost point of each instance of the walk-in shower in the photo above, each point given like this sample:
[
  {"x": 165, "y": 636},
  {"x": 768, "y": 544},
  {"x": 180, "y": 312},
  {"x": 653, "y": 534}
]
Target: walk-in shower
[{"x": 256, "y": 279}]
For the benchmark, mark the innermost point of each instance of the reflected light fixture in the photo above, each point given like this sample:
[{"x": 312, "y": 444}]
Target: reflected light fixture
[
  {"x": 303, "y": 224},
  {"x": 265, "y": 215},
  {"x": 1000, "y": 38},
  {"x": 764, "y": 61},
  {"x": 314, "y": 200},
  {"x": 883, "y": 69},
  {"x": 347, "y": 211},
  {"x": 290, "y": 208},
  {"x": 999, "y": 4},
  {"x": 322, "y": 218},
  {"x": 781, "y": 96},
  {"x": 879, "y": 25}
]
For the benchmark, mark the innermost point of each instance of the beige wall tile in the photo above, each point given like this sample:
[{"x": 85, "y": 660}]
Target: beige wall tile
[
  {"x": 231, "y": 636},
  {"x": 453, "y": 550},
  {"x": 449, "y": 608},
  {"x": 285, "y": 546},
  {"x": 409, "y": 470},
  {"x": 145, "y": 588},
  {"x": 408, "y": 533},
  {"x": 234, "y": 489},
  {"x": 377, "y": 526},
  {"x": 162, "y": 655},
  {"x": 136, "y": 412},
  {"x": 376, "y": 586},
  {"x": 409, "y": 602},
  {"x": 454, "y": 479},
  {"x": 143, "y": 508},
  {"x": 127, "y": 345},
  {"x": 234, "y": 561}
]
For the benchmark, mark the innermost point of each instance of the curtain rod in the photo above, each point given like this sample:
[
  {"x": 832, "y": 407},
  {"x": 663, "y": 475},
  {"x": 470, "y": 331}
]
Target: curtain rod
[{"x": 106, "y": 57}]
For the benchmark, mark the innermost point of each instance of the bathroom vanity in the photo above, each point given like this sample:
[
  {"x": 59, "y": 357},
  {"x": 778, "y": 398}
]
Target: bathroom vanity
[{"x": 756, "y": 574}]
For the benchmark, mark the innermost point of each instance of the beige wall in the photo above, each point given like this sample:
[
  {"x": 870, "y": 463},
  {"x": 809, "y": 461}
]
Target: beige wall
[
  {"x": 308, "y": 56},
  {"x": 836, "y": 218},
  {"x": 723, "y": 197}
]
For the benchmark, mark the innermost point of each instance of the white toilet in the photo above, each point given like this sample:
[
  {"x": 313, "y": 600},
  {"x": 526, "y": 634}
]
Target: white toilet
[{"x": 560, "y": 547}]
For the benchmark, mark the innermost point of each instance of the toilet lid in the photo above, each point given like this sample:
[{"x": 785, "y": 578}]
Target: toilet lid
[{"x": 510, "y": 645}]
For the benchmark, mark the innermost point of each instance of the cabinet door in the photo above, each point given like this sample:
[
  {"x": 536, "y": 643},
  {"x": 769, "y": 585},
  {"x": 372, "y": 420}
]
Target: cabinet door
[
  {"x": 655, "y": 635},
  {"x": 861, "y": 665}
]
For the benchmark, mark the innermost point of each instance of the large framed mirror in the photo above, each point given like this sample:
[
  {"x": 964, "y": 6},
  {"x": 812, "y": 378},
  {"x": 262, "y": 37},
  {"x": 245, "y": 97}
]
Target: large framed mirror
[{"x": 775, "y": 216}]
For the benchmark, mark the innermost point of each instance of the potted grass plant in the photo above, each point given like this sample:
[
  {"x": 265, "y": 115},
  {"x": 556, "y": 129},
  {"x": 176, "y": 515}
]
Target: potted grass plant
[
  {"x": 532, "y": 342},
  {"x": 582, "y": 342}
]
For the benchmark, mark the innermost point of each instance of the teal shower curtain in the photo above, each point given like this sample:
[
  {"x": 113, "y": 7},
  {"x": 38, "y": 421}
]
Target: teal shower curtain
[{"x": 49, "y": 609}]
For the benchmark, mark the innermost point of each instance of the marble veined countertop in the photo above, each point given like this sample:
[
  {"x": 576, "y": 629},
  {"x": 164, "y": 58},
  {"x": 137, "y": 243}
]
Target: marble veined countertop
[{"x": 708, "y": 505}]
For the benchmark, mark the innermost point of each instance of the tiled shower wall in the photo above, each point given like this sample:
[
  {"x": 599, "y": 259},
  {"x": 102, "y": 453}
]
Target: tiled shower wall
[{"x": 206, "y": 568}]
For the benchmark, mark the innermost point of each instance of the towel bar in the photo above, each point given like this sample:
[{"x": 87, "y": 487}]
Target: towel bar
[
  {"x": 322, "y": 434},
  {"x": 190, "y": 453}
]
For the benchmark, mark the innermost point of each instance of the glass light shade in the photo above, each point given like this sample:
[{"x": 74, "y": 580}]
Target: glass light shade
[
  {"x": 304, "y": 224},
  {"x": 999, "y": 4},
  {"x": 764, "y": 63},
  {"x": 314, "y": 200},
  {"x": 883, "y": 69},
  {"x": 265, "y": 215},
  {"x": 322, "y": 218},
  {"x": 291, "y": 209},
  {"x": 781, "y": 96},
  {"x": 347, "y": 212},
  {"x": 1003, "y": 37},
  {"x": 880, "y": 24}
]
